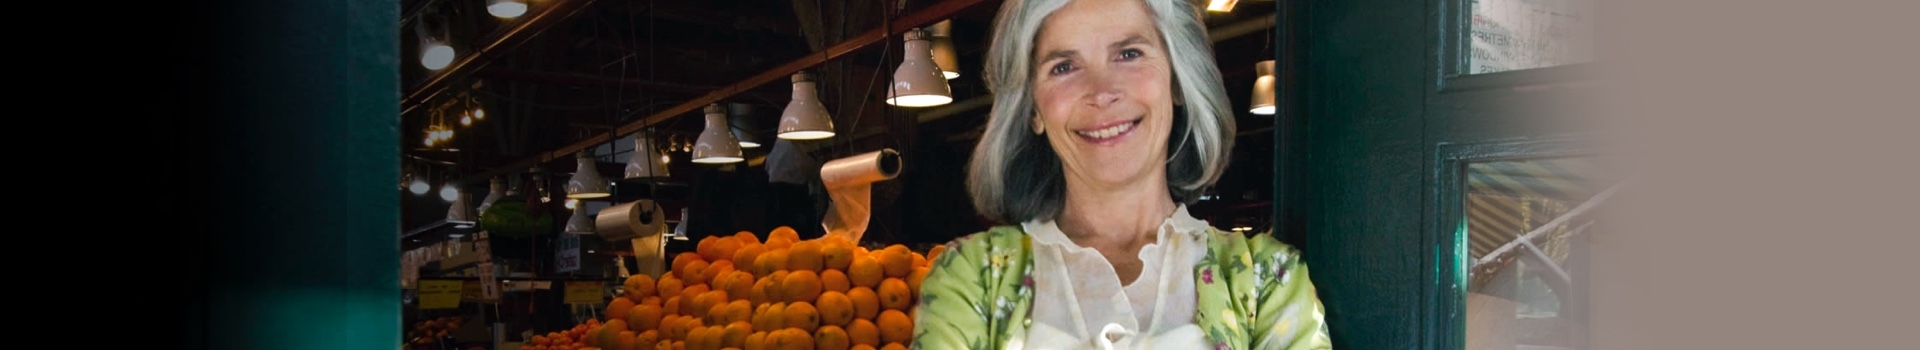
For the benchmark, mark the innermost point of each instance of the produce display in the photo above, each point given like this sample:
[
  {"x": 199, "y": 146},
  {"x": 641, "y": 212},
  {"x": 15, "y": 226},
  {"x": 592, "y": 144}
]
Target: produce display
[
  {"x": 739, "y": 292},
  {"x": 430, "y": 332}
]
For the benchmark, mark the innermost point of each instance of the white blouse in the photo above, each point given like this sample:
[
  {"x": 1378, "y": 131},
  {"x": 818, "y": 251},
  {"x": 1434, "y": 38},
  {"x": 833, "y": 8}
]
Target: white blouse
[{"x": 1079, "y": 302}]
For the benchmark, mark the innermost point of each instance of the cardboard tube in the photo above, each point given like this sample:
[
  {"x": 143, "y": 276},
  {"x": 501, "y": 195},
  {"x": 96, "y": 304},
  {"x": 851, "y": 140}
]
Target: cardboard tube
[
  {"x": 641, "y": 223},
  {"x": 849, "y": 182}
]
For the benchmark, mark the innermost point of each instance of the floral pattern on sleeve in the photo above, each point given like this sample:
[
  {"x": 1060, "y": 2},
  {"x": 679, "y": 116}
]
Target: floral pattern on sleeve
[
  {"x": 977, "y": 294},
  {"x": 1255, "y": 294}
]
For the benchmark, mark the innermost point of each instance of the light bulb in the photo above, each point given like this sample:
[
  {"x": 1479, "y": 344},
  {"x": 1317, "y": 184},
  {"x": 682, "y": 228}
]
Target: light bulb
[
  {"x": 419, "y": 186},
  {"x": 479, "y": 114},
  {"x": 1262, "y": 101},
  {"x": 449, "y": 193},
  {"x": 573, "y": 203},
  {"x": 437, "y": 56},
  {"x": 466, "y": 120}
]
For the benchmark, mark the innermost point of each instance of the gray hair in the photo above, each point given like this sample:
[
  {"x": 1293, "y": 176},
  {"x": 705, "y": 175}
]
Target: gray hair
[{"x": 1015, "y": 176}]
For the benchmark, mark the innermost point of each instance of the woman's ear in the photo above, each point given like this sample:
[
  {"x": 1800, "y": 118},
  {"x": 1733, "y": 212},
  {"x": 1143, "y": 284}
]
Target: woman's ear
[{"x": 1038, "y": 128}]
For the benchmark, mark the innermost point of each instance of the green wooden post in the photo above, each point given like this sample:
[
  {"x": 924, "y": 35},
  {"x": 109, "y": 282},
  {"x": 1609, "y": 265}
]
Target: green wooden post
[{"x": 299, "y": 131}]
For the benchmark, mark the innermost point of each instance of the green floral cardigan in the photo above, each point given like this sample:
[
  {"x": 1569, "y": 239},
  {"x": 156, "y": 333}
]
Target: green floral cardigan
[{"x": 1254, "y": 294}]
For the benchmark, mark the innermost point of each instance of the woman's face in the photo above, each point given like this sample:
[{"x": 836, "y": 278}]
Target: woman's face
[{"x": 1102, "y": 86}]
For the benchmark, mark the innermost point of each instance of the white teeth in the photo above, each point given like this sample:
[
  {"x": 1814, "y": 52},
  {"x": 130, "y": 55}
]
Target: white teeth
[{"x": 1107, "y": 132}]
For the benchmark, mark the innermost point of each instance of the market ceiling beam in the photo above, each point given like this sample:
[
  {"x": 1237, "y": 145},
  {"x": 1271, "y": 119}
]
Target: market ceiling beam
[
  {"x": 502, "y": 41},
  {"x": 925, "y": 17}
]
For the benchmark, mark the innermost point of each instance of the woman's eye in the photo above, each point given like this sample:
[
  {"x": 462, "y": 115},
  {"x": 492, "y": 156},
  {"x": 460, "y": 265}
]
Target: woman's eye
[
  {"x": 1061, "y": 68},
  {"x": 1130, "y": 54}
]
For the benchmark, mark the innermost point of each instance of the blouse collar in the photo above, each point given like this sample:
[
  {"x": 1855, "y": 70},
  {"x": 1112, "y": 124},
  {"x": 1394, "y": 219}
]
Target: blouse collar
[{"x": 1180, "y": 222}]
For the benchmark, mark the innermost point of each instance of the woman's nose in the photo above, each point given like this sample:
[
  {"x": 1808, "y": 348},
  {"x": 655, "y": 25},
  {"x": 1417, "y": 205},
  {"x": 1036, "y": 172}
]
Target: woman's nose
[{"x": 1106, "y": 88}]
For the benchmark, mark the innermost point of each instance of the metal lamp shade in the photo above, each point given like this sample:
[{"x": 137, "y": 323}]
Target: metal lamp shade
[
  {"x": 646, "y": 161},
  {"x": 805, "y": 117},
  {"x": 1262, "y": 101},
  {"x": 944, "y": 55},
  {"x": 717, "y": 144},
  {"x": 586, "y": 181},
  {"x": 918, "y": 82}
]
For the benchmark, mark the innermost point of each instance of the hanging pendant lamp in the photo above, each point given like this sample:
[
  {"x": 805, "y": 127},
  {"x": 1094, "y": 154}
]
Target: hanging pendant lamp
[
  {"x": 1262, "y": 101},
  {"x": 944, "y": 55},
  {"x": 461, "y": 214},
  {"x": 586, "y": 182},
  {"x": 580, "y": 223},
  {"x": 646, "y": 161},
  {"x": 918, "y": 82},
  {"x": 805, "y": 117},
  {"x": 496, "y": 189},
  {"x": 506, "y": 8},
  {"x": 717, "y": 144}
]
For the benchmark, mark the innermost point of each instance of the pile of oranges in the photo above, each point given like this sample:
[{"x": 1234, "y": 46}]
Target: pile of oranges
[{"x": 739, "y": 292}]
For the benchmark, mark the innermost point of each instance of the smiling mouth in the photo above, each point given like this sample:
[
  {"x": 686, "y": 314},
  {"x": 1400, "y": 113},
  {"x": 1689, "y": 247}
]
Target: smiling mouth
[{"x": 1109, "y": 132}]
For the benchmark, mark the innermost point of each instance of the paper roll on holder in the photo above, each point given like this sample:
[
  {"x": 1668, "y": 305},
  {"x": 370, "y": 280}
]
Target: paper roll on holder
[{"x": 849, "y": 182}]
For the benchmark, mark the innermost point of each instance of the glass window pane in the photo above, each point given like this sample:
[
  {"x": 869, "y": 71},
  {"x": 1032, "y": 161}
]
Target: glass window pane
[
  {"x": 1525, "y": 249},
  {"x": 1523, "y": 34}
]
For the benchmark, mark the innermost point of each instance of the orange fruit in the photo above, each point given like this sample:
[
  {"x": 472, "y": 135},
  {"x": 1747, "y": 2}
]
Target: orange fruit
[
  {"x": 735, "y": 334},
  {"x": 715, "y": 315},
  {"x": 756, "y": 341},
  {"x": 777, "y": 286},
  {"x": 611, "y": 328},
  {"x": 679, "y": 345},
  {"x": 738, "y": 284},
  {"x": 644, "y": 317},
  {"x": 737, "y": 311},
  {"x": 617, "y": 309},
  {"x": 694, "y": 273},
  {"x": 804, "y": 255},
  {"x": 706, "y": 301},
  {"x": 836, "y": 255},
  {"x": 623, "y": 340},
  {"x": 894, "y": 346},
  {"x": 746, "y": 238},
  {"x": 831, "y": 337},
  {"x": 801, "y": 285},
  {"x": 866, "y": 303},
  {"x": 652, "y": 300},
  {"x": 670, "y": 286},
  {"x": 759, "y": 293},
  {"x": 861, "y": 251},
  {"x": 672, "y": 306},
  {"x": 894, "y": 294},
  {"x": 715, "y": 270},
  {"x": 802, "y": 315},
  {"x": 913, "y": 280},
  {"x": 865, "y": 272},
  {"x": 743, "y": 259},
  {"x": 724, "y": 247},
  {"x": 776, "y": 317},
  {"x": 779, "y": 243},
  {"x": 919, "y": 260},
  {"x": 797, "y": 339},
  {"x": 862, "y": 347},
  {"x": 708, "y": 248},
  {"x": 835, "y": 308},
  {"x": 862, "y": 332},
  {"x": 645, "y": 340},
  {"x": 639, "y": 286},
  {"x": 682, "y": 259},
  {"x": 697, "y": 338},
  {"x": 784, "y": 232},
  {"x": 834, "y": 280},
  {"x": 895, "y": 326},
  {"x": 898, "y": 262},
  {"x": 934, "y": 253},
  {"x": 770, "y": 261}
]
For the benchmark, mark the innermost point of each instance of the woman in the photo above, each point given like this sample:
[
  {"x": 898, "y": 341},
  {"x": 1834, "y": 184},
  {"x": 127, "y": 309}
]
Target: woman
[{"x": 1108, "y": 117}]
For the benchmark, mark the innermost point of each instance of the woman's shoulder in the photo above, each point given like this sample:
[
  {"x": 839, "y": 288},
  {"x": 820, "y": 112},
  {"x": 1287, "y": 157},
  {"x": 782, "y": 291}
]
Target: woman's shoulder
[{"x": 1258, "y": 245}]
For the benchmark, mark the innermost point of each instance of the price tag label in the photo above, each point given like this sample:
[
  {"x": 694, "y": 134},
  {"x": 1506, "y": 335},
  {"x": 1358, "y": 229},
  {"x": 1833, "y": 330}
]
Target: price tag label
[
  {"x": 489, "y": 287},
  {"x": 440, "y": 294},
  {"x": 566, "y": 257},
  {"x": 585, "y": 292}
]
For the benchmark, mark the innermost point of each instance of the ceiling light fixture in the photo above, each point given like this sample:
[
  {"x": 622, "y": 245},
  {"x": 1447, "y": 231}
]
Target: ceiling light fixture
[
  {"x": 586, "y": 182},
  {"x": 944, "y": 55},
  {"x": 506, "y": 8},
  {"x": 805, "y": 117},
  {"x": 1262, "y": 101},
  {"x": 646, "y": 162},
  {"x": 1221, "y": 5},
  {"x": 717, "y": 144},
  {"x": 918, "y": 83}
]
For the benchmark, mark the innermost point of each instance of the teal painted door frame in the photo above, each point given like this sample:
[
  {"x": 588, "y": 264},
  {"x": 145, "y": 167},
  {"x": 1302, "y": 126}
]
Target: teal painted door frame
[{"x": 1382, "y": 110}]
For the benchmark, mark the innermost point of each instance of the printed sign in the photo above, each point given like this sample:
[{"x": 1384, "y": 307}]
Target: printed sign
[
  {"x": 585, "y": 292},
  {"x": 440, "y": 294}
]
